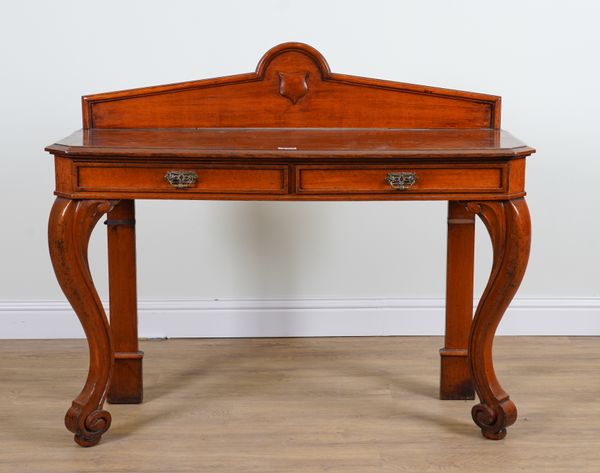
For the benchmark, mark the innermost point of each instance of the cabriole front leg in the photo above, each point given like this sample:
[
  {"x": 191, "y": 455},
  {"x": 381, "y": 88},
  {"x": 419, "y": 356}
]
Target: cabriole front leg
[
  {"x": 70, "y": 226},
  {"x": 509, "y": 227}
]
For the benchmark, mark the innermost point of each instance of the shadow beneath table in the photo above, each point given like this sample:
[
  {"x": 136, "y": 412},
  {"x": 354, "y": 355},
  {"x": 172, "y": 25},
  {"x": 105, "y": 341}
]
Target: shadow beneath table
[{"x": 220, "y": 380}]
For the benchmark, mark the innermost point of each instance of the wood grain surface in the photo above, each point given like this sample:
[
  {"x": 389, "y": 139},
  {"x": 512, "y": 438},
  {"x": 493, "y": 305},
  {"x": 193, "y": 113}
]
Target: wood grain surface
[
  {"x": 293, "y": 130},
  {"x": 292, "y": 86},
  {"x": 283, "y": 143}
]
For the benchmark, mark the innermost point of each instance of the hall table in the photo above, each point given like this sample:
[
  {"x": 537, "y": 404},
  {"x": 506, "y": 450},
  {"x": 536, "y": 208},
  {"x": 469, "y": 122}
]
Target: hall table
[{"x": 292, "y": 130}]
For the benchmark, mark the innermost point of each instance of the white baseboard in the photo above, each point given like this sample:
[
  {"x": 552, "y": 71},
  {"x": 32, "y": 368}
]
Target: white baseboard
[{"x": 301, "y": 318}]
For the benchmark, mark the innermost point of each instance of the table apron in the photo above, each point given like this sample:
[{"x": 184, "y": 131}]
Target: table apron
[{"x": 289, "y": 181}]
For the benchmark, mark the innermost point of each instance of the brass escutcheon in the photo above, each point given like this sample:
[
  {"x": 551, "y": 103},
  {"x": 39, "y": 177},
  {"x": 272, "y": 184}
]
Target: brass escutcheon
[
  {"x": 401, "y": 180},
  {"x": 181, "y": 179}
]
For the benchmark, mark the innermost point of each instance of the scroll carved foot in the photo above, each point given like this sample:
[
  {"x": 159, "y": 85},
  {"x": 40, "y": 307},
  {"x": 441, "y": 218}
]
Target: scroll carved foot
[
  {"x": 69, "y": 229},
  {"x": 508, "y": 224}
]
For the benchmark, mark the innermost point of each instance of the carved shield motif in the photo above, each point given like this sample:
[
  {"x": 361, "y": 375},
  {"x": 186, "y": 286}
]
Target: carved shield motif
[{"x": 293, "y": 85}]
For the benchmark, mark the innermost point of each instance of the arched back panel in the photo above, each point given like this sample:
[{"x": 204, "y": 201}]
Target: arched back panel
[{"x": 292, "y": 87}]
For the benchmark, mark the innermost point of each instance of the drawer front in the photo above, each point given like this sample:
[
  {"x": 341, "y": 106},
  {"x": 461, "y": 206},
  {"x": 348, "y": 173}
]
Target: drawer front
[
  {"x": 400, "y": 179},
  {"x": 183, "y": 179}
]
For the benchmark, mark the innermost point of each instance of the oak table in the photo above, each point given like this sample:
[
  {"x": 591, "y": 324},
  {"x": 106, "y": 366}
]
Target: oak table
[{"x": 292, "y": 130}]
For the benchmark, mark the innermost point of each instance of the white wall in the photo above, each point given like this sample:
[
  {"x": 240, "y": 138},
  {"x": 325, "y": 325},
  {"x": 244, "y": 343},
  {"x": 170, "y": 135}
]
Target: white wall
[{"x": 541, "y": 57}]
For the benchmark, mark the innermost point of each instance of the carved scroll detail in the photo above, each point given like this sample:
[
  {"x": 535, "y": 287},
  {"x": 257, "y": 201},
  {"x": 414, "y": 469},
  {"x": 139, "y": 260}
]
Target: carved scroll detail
[
  {"x": 70, "y": 226},
  {"x": 508, "y": 224},
  {"x": 293, "y": 85}
]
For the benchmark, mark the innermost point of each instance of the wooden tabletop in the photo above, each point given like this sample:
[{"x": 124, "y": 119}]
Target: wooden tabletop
[{"x": 292, "y": 142}]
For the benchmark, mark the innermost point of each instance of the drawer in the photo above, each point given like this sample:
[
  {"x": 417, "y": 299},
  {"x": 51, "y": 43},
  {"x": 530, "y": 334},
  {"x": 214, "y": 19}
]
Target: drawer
[
  {"x": 183, "y": 179},
  {"x": 406, "y": 178}
]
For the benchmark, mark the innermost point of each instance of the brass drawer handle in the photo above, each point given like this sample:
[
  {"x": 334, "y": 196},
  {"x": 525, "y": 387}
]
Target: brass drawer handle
[
  {"x": 181, "y": 179},
  {"x": 401, "y": 180}
]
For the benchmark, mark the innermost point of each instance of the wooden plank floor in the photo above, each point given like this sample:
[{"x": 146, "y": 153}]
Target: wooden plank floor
[{"x": 303, "y": 405}]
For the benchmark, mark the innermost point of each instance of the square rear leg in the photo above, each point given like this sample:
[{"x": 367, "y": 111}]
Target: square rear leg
[
  {"x": 455, "y": 380},
  {"x": 126, "y": 380}
]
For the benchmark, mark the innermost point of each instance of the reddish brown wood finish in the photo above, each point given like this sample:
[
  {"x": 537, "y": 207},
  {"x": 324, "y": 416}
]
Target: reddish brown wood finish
[
  {"x": 262, "y": 99},
  {"x": 431, "y": 179},
  {"x": 293, "y": 144},
  {"x": 509, "y": 226},
  {"x": 69, "y": 229},
  {"x": 292, "y": 130},
  {"x": 230, "y": 179},
  {"x": 126, "y": 382},
  {"x": 455, "y": 379}
]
